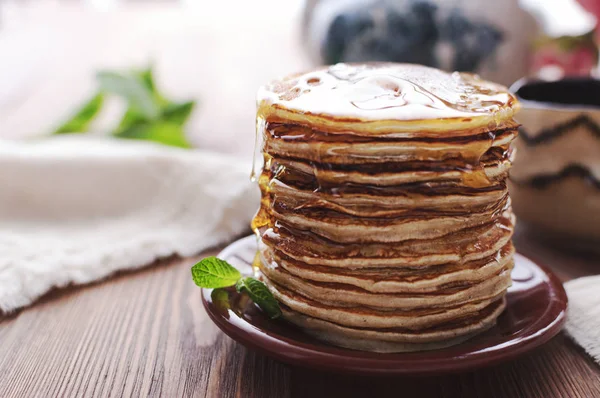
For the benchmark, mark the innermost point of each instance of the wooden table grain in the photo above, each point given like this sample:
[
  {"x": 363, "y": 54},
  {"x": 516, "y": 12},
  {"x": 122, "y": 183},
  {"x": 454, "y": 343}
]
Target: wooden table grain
[{"x": 146, "y": 334}]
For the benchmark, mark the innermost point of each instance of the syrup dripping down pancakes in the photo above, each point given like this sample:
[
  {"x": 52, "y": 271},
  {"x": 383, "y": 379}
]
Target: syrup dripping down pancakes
[{"x": 385, "y": 222}]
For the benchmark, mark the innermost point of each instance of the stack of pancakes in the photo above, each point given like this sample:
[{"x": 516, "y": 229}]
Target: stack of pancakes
[{"x": 385, "y": 222}]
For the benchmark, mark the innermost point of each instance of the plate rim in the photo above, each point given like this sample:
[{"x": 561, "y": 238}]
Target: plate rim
[{"x": 363, "y": 362}]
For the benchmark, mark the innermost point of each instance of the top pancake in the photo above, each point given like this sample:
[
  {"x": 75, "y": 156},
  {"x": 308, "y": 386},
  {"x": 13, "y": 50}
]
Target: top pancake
[{"x": 400, "y": 100}]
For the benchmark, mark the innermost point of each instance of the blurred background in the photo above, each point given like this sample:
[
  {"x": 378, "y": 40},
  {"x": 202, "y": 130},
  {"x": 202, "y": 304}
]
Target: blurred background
[
  {"x": 217, "y": 53},
  {"x": 184, "y": 73}
]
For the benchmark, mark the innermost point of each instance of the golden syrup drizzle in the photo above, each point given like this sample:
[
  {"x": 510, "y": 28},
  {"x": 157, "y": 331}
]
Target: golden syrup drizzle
[
  {"x": 262, "y": 217},
  {"x": 256, "y": 261},
  {"x": 475, "y": 178},
  {"x": 261, "y": 163},
  {"x": 259, "y": 142},
  {"x": 385, "y": 91}
]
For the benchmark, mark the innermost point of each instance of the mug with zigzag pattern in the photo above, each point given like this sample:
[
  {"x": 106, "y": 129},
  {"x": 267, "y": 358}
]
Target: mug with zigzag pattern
[{"x": 555, "y": 179}]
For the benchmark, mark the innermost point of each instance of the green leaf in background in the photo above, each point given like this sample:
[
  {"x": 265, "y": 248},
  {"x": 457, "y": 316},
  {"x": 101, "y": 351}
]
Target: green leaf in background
[
  {"x": 132, "y": 114},
  {"x": 147, "y": 77},
  {"x": 260, "y": 294},
  {"x": 167, "y": 128},
  {"x": 80, "y": 122},
  {"x": 165, "y": 133},
  {"x": 133, "y": 89},
  {"x": 131, "y": 117},
  {"x": 178, "y": 112},
  {"x": 149, "y": 115},
  {"x": 213, "y": 273}
]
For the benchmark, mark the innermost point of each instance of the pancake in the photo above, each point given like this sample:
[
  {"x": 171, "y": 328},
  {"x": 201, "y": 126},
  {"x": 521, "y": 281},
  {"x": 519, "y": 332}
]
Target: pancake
[
  {"x": 385, "y": 221},
  {"x": 337, "y": 294},
  {"x": 368, "y": 205},
  {"x": 387, "y": 99},
  {"x": 494, "y": 168},
  {"x": 348, "y": 150},
  {"x": 396, "y": 280},
  {"x": 390, "y": 340},
  {"x": 457, "y": 247},
  {"x": 364, "y": 317},
  {"x": 334, "y": 226}
]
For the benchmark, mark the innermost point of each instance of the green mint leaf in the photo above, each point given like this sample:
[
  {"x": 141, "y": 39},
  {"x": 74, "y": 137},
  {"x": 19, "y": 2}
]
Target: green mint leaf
[
  {"x": 162, "y": 132},
  {"x": 260, "y": 294},
  {"x": 213, "y": 273},
  {"x": 220, "y": 297},
  {"x": 133, "y": 89},
  {"x": 178, "y": 112},
  {"x": 80, "y": 122}
]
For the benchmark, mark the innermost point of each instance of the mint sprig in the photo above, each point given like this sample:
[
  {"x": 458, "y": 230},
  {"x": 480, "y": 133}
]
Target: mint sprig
[
  {"x": 214, "y": 273},
  {"x": 260, "y": 294},
  {"x": 220, "y": 297}
]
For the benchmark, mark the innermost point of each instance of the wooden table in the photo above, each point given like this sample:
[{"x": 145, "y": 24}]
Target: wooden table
[{"x": 146, "y": 334}]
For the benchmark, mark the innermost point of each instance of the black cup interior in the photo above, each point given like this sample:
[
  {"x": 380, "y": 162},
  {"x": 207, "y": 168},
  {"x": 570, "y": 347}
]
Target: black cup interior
[{"x": 571, "y": 91}]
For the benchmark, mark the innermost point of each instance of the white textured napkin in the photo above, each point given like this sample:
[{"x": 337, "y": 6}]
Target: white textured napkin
[
  {"x": 75, "y": 209},
  {"x": 583, "y": 314}
]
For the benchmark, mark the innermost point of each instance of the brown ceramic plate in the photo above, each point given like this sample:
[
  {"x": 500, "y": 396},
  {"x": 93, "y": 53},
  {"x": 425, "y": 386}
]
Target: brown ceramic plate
[{"x": 535, "y": 312}]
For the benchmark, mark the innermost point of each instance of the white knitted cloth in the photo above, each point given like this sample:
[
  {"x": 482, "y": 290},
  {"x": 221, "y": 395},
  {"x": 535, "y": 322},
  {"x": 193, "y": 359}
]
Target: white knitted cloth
[
  {"x": 583, "y": 314},
  {"x": 75, "y": 209}
]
